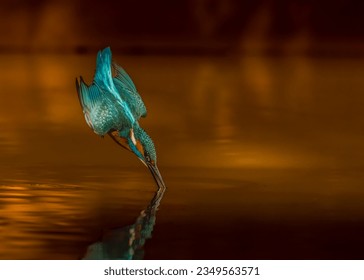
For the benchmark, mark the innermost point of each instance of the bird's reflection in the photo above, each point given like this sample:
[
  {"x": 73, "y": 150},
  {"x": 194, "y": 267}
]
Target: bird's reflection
[{"x": 127, "y": 243}]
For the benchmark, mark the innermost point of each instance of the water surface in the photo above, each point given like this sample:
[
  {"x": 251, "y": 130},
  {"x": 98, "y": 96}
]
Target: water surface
[{"x": 263, "y": 158}]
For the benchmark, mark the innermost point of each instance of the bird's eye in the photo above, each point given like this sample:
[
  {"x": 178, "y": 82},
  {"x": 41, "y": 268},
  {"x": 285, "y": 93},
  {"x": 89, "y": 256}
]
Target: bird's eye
[{"x": 147, "y": 157}]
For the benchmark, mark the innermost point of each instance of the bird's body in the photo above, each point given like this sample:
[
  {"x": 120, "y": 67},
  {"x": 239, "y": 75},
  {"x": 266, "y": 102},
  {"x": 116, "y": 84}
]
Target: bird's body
[{"x": 112, "y": 105}]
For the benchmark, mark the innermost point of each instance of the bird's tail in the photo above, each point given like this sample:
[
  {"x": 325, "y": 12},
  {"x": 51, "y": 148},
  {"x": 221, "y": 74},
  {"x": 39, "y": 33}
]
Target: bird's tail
[{"x": 103, "y": 73}]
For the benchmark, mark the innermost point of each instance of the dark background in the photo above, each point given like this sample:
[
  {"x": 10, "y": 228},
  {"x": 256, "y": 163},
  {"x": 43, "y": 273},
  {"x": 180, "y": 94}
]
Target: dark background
[
  {"x": 178, "y": 27},
  {"x": 255, "y": 108}
]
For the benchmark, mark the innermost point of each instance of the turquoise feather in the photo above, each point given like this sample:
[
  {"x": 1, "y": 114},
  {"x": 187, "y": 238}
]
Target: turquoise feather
[
  {"x": 103, "y": 107},
  {"x": 128, "y": 92},
  {"x": 112, "y": 105}
]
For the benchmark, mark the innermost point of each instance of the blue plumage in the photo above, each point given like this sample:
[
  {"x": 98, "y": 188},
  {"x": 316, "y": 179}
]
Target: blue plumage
[
  {"x": 112, "y": 105},
  {"x": 128, "y": 92}
]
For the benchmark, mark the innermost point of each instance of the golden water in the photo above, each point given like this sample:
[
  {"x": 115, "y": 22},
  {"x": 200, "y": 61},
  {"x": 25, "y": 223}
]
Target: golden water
[{"x": 263, "y": 158}]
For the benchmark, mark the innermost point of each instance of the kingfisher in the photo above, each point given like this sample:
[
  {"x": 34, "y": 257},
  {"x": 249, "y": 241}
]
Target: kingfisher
[{"x": 112, "y": 105}]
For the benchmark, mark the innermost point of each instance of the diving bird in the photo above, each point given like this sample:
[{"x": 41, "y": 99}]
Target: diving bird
[{"x": 113, "y": 106}]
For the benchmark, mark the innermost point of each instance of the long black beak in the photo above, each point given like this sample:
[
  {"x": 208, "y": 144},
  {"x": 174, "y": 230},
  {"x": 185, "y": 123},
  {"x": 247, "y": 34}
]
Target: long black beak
[{"x": 156, "y": 175}]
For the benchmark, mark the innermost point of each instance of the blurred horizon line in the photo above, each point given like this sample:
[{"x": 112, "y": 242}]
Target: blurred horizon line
[{"x": 277, "y": 48}]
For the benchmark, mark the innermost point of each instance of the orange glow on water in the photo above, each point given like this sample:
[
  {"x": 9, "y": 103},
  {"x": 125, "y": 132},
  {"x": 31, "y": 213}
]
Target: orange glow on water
[{"x": 265, "y": 140}]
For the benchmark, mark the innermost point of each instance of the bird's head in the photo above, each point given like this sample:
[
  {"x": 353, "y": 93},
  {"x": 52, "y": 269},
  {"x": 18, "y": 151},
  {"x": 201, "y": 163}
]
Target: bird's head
[{"x": 139, "y": 142}]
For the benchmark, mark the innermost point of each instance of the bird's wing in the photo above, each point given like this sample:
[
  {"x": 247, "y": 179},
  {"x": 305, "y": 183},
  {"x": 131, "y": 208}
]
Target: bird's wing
[
  {"x": 103, "y": 112},
  {"x": 128, "y": 92}
]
